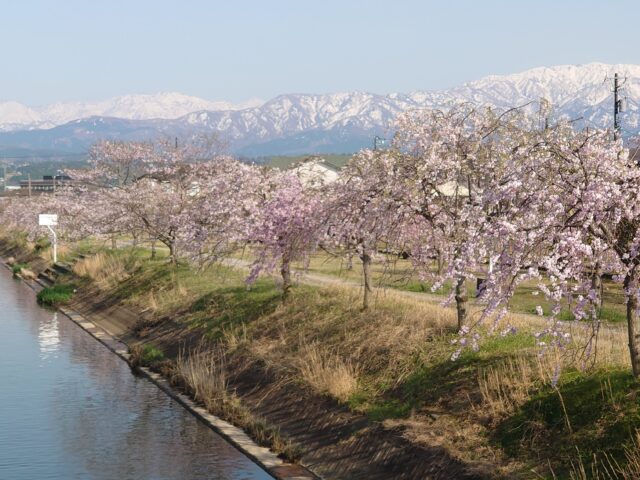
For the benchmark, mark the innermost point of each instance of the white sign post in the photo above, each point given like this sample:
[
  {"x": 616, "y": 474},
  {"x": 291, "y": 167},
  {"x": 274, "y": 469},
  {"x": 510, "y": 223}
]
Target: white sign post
[{"x": 50, "y": 220}]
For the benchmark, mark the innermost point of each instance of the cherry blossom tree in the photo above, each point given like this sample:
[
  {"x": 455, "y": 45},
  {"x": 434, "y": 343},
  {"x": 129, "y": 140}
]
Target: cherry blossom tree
[
  {"x": 449, "y": 164},
  {"x": 363, "y": 214},
  {"x": 288, "y": 227},
  {"x": 226, "y": 198},
  {"x": 590, "y": 219},
  {"x": 147, "y": 187}
]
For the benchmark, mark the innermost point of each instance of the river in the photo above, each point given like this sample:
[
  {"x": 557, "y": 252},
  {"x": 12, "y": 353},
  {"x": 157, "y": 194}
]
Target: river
[{"x": 71, "y": 409}]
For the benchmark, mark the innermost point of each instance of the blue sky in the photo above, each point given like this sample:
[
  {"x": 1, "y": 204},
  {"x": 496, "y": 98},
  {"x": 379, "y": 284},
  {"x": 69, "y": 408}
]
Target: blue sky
[{"x": 63, "y": 50}]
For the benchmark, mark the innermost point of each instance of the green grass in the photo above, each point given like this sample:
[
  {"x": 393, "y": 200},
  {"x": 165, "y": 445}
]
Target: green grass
[
  {"x": 602, "y": 409},
  {"x": 151, "y": 354},
  {"x": 613, "y": 314},
  {"x": 56, "y": 294},
  {"x": 230, "y": 307}
]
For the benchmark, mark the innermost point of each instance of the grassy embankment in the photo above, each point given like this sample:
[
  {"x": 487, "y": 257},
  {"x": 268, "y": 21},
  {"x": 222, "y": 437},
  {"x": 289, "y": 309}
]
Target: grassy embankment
[{"x": 495, "y": 408}]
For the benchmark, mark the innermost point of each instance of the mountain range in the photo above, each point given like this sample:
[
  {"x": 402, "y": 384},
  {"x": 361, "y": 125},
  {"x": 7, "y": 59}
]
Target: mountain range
[{"x": 308, "y": 123}]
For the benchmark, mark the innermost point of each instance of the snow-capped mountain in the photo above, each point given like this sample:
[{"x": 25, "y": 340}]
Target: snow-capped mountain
[
  {"x": 306, "y": 123},
  {"x": 575, "y": 91},
  {"x": 165, "y": 105}
]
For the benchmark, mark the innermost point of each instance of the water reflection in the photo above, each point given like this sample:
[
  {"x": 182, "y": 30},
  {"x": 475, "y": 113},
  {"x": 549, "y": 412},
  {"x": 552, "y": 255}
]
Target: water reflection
[
  {"x": 70, "y": 409},
  {"x": 48, "y": 336}
]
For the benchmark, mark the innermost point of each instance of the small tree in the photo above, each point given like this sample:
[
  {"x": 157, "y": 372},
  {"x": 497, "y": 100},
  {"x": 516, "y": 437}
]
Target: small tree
[
  {"x": 287, "y": 227},
  {"x": 362, "y": 213}
]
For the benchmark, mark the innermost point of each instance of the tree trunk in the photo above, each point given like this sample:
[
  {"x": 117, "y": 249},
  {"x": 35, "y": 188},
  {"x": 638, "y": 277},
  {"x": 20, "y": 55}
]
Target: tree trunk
[
  {"x": 285, "y": 271},
  {"x": 461, "y": 301},
  {"x": 172, "y": 253},
  {"x": 153, "y": 249},
  {"x": 440, "y": 261},
  {"x": 633, "y": 322},
  {"x": 135, "y": 240},
  {"x": 350, "y": 261},
  {"x": 114, "y": 242},
  {"x": 366, "y": 274},
  {"x": 596, "y": 286}
]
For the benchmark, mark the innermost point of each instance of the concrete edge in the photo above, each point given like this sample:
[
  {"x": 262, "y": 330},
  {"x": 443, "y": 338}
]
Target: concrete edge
[{"x": 262, "y": 456}]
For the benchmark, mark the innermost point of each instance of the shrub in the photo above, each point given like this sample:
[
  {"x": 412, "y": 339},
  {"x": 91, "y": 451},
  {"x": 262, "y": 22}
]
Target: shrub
[{"x": 151, "y": 354}]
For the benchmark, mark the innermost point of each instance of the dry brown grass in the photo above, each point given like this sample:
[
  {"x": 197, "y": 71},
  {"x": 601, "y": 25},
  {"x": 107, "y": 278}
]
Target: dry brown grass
[
  {"x": 347, "y": 343},
  {"x": 234, "y": 338},
  {"x": 632, "y": 454},
  {"x": 63, "y": 251},
  {"x": 342, "y": 343},
  {"x": 204, "y": 372},
  {"x": 105, "y": 270},
  {"x": 506, "y": 386},
  {"x": 328, "y": 373},
  {"x": 149, "y": 302},
  {"x": 28, "y": 274}
]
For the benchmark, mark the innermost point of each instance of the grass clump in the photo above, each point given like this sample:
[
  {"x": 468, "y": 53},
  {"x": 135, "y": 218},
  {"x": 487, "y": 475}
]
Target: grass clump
[
  {"x": 146, "y": 355},
  {"x": 328, "y": 373},
  {"x": 17, "y": 268},
  {"x": 56, "y": 294}
]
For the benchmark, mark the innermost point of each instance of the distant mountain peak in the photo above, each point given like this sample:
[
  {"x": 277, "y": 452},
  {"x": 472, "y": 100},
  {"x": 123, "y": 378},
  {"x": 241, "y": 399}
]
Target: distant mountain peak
[
  {"x": 142, "y": 106},
  {"x": 316, "y": 123}
]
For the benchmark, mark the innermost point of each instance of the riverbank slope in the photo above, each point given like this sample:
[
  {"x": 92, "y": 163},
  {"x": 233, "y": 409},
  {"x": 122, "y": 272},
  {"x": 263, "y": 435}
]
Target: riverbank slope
[{"x": 361, "y": 394}]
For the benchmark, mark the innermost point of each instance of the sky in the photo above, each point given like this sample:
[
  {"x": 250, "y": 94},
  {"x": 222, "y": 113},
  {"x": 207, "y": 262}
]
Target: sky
[{"x": 234, "y": 50}]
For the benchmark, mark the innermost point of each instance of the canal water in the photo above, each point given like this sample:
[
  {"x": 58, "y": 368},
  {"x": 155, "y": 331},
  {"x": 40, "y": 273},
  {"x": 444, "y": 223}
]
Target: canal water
[{"x": 70, "y": 409}]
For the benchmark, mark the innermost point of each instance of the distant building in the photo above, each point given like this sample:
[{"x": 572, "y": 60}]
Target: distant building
[
  {"x": 316, "y": 171},
  {"x": 453, "y": 189},
  {"x": 49, "y": 183}
]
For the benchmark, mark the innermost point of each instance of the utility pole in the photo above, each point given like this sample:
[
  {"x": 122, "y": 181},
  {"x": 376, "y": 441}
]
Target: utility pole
[
  {"x": 618, "y": 107},
  {"x": 29, "y": 177}
]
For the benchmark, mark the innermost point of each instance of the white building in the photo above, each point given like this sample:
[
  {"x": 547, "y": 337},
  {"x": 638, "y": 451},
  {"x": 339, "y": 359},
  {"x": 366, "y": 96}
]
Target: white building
[{"x": 316, "y": 172}]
